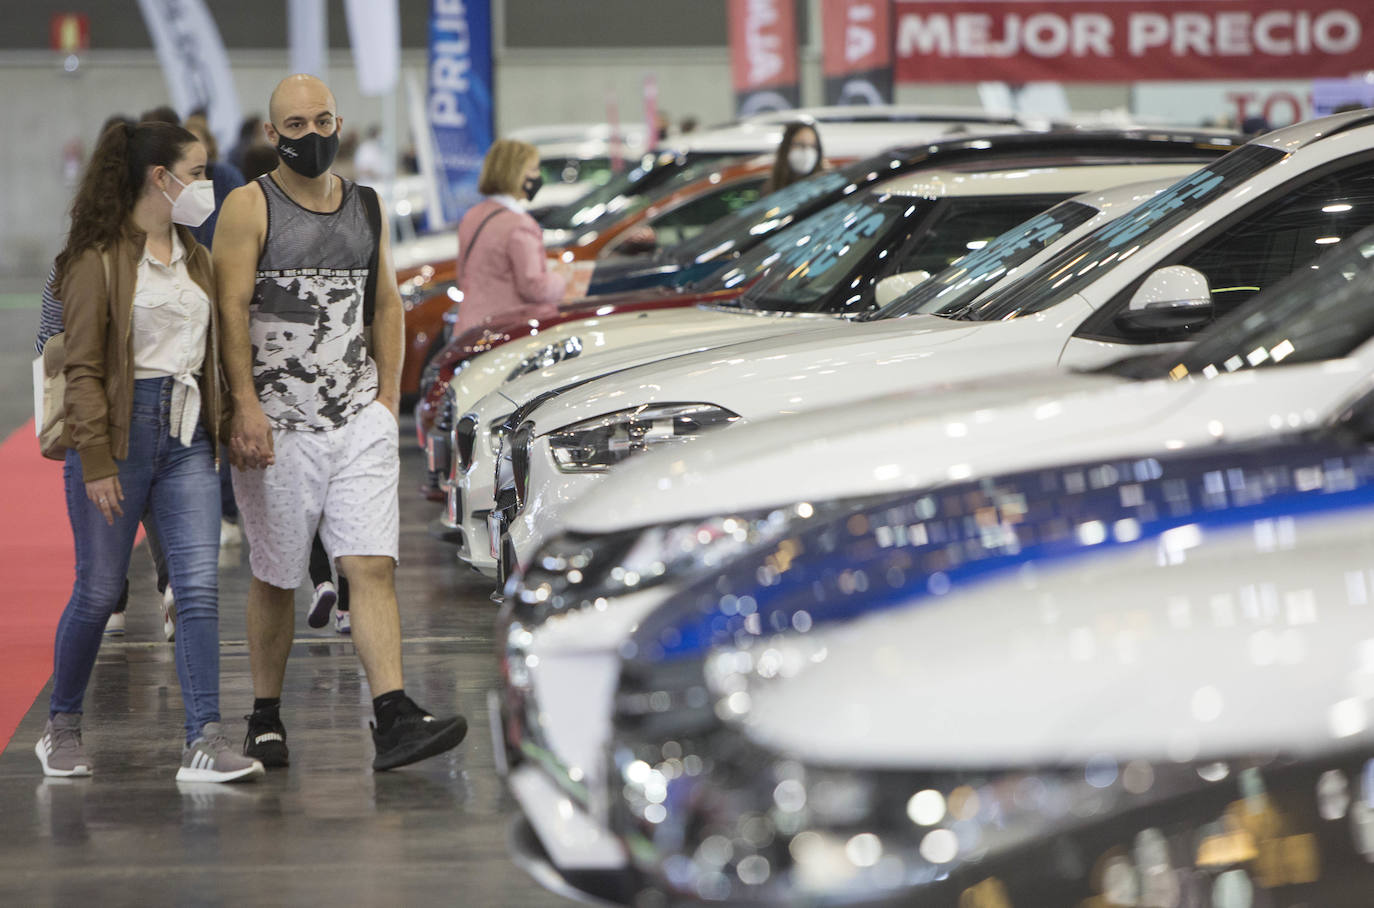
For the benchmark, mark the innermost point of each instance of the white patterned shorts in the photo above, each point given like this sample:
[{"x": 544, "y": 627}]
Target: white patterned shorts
[{"x": 342, "y": 482}]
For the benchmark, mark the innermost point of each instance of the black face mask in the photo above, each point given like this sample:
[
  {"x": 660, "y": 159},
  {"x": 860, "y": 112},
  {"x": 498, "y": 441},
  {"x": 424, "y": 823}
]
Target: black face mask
[
  {"x": 310, "y": 155},
  {"x": 531, "y": 186}
]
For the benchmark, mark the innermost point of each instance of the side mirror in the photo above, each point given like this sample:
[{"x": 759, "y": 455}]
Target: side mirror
[
  {"x": 1171, "y": 298},
  {"x": 895, "y": 285}
]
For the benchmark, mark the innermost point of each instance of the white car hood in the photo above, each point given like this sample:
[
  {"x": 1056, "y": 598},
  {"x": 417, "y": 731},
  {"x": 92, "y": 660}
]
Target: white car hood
[
  {"x": 627, "y": 338},
  {"x": 713, "y": 330},
  {"x": 844, "y": 363},
  {"x": 947, "y": 433},
  {"x": 1245, "y": 647}
]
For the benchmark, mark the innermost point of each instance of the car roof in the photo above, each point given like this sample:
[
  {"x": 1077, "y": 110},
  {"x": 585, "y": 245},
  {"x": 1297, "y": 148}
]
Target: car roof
[
  {"x": 1047, "y": 176},
  {"x": 1290, "y": 138}
]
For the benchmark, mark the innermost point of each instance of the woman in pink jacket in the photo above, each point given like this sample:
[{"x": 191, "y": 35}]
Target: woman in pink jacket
[{"x": 502, "y": 269}]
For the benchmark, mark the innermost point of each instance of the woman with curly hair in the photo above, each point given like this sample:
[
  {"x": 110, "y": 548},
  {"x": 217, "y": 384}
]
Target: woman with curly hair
[{"x": 143, "y": 404}]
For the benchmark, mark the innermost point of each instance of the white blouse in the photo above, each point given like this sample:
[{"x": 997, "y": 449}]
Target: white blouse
[{"x": 170, "y": 319}]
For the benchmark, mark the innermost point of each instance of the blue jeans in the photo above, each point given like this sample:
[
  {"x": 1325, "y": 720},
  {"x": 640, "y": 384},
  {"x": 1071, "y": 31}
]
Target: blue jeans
[{"x": 177, "y": 485}]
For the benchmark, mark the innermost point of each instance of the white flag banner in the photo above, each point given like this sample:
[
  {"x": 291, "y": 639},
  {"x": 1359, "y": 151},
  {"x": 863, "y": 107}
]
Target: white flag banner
[
  {"x": 307, "y": 33},
  {"x": 374, "y": 30},
  {"x": 194, "y": 63}
]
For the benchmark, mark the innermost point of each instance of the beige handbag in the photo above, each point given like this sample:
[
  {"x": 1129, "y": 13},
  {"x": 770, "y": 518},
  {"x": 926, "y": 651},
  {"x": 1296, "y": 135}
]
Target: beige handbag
[{"x": 52, "y": 428}]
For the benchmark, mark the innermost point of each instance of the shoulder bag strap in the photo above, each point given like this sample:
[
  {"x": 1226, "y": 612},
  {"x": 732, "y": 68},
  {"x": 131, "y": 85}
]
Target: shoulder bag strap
[
  {"x": 463, "y": 262},
  {"x": 374, "y": 220}
]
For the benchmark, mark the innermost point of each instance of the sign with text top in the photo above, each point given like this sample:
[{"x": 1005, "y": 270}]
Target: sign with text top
[
  {"x": 857, "y": 53},
  {"x": 763, "y": 55},
  {"x": 459, "y": 101},
  {"x": 1130, "y": 40}
]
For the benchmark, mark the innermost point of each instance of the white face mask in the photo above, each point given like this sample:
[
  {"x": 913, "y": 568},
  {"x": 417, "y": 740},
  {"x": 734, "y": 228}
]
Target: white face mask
[
  {"x": 195, "y": 204},
  {"x": 802, "y": 158}
]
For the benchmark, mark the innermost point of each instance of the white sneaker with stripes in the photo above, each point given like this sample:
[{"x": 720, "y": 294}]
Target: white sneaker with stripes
[{"x": 210, "y": 758}]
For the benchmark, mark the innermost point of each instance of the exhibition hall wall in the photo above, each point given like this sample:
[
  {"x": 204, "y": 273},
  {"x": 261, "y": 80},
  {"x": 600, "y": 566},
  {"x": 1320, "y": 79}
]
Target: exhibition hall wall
[{"x": 555, "y": 62}]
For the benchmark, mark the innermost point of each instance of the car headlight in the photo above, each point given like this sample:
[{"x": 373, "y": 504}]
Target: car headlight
[
  {"x": 547, "y": 356},
  {"x": 520, "y": 443},
  {"x": 448, "y": 408},
  {"x": 433, "y": 373},
  {"x": 595, "y": 445},
  {"x": 464, "y": 437},
  {"x": 579, "y": 570},
  {"x": 736, "y": 821}
]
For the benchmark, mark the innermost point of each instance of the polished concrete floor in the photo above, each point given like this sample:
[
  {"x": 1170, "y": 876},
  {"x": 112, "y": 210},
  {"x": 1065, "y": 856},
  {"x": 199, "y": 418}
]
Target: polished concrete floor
[{"x": 325, "y": 831}]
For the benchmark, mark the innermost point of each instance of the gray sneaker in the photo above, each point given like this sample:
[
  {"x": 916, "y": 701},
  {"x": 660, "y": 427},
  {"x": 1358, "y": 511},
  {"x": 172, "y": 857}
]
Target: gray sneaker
[
  {"x": 60, "y": 750},
  {"x": 210, "y": 758}
]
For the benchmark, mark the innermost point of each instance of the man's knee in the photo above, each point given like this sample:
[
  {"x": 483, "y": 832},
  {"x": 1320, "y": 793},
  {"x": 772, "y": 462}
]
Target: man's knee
[
  {"x": 367, "y": 569},
  {"x": 271, "y": 596}
]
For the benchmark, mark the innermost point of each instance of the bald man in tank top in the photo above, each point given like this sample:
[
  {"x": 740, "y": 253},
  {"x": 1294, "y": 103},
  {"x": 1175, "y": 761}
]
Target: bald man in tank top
[{"x": 314, "y": 439}]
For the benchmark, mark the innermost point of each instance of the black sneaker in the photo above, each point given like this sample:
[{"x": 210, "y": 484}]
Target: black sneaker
[
  {"x": 414, "y": 736},
  {"x": 266, "y": 738}
]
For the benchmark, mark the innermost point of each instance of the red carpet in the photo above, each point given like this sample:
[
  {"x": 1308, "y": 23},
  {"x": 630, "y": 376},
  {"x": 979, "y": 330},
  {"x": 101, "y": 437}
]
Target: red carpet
[{"x": 36, "y": 567}]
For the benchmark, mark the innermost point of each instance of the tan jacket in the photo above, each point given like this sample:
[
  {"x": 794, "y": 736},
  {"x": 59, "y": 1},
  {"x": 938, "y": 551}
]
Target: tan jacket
[{"x": 99, "y": 366}]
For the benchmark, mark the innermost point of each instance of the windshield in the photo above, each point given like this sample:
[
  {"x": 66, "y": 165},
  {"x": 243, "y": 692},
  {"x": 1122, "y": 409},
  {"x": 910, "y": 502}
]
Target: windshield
[
  {"x": 951, "y": 290},
  {"x": 804, "y": 263},
  {"x": 774, "y": 212},
  {"x": 1078, "y": 264},
  {"x": 1317, "y": 313},
  {"x": 625, "y": 192}
]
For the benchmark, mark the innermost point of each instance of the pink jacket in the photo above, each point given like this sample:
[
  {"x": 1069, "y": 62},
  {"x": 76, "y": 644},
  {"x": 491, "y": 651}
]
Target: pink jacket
[{"x": 505, "y": 272}]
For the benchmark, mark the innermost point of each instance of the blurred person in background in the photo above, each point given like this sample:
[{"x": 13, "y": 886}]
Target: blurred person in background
[
  {"x": 224, "y": 175},
  {"x": 258, "y": 160},
  {"x": 250, "y": 135},
  {"x": 143, "y": 407},
  {"x": 799, "y": 156},
  {"x": 502, "y": 269},
  {"x": 369, "y": 161}
]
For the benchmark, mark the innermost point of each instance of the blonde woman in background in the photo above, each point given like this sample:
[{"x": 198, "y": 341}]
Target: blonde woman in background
[{"x": 502, "y": 269}]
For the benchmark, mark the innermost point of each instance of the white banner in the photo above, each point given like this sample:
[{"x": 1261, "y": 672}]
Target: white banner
[
  {"x": 374, "y": 30},
  {"x": 1277, "y": 102},
  {"x": 194, "y": 63},
  {"x": 307, "y": 34}
]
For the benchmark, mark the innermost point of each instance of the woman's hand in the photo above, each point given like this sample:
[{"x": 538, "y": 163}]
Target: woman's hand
[{"x": 106, "y": 495}]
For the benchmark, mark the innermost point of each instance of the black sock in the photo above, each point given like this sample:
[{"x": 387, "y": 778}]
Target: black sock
[
  {"x": 266, "y": 704},
  {"x": 386, "y": 706}
]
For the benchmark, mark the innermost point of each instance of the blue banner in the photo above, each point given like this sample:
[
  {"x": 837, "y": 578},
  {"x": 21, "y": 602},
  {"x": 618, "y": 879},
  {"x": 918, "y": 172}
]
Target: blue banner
[{"x": 460, "y": 100}]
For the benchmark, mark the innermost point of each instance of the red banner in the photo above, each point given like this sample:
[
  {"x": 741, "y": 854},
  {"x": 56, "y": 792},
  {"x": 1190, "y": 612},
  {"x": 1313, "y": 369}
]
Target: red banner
[
  {"x": 857, "y": 35},
  {"x": 763, "y": 54},
  {"x": 857, "y": 51},
  {"x": 1128, "y": 40},
  {"x": 69, "y": 32}
]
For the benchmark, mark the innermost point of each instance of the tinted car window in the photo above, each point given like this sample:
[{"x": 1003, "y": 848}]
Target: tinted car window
[
  {"x": 687, "y": 220},
  {"x": 1260, "y": 248},
  {"x": 1074, "y": 267},
  {"x": 576, "y": 170},
  {"x": 951, "y": 290},
  {"x": 827, "y": 249},
  {"x": 963, "y": 226},
  {"x": 1321, "y": 312},
  {"x": 775, "y": 211},
  {"x": 626, "y": 192}
]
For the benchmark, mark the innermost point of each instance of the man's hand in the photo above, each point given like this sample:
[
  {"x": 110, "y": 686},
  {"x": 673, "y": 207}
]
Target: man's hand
[{"x": 250, "y": 438}]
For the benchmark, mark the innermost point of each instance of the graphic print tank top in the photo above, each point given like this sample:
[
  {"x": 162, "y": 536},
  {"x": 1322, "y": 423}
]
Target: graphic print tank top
[{"x": 310, "y": 360}]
